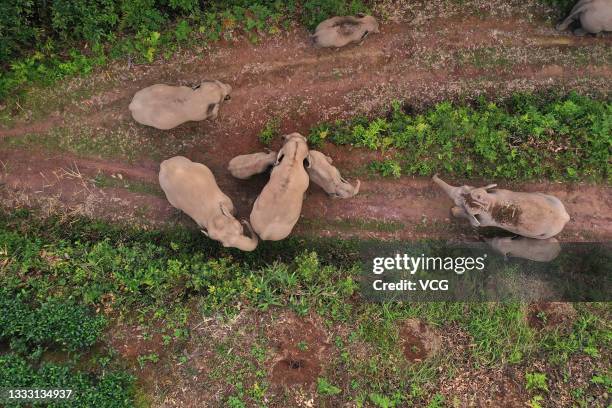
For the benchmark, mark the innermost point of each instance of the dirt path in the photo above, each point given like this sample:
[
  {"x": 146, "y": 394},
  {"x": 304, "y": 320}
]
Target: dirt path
[
  {"x": 283, "y": 77},
  {"x": 408, "y": 208}
]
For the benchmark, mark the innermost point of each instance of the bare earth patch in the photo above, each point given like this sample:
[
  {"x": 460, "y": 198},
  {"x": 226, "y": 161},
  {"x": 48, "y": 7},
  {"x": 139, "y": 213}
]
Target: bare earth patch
[
  {"x": 419, "y": 340},
  {"x": 547, "y": 315},
  {"x": 299, "y": 346}
]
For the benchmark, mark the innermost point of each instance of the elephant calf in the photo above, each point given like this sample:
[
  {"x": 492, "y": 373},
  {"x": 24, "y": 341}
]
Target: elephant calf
[
  {"x": 326, "y": 176},
  {"x": 165, "y": 107},
  {"x": 532, "y": 215},
  {"x": 278, "y": 207},
  {"x": 247, "y": 165},
  {"x": 539, "y": 250},
  {"x": 340, "y": 31},
  {"x": 595, "y": 16},
  {"x": 191, "y": 187}
]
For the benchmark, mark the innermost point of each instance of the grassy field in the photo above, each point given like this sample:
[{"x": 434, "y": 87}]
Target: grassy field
[{"x": 72, "y": 286}]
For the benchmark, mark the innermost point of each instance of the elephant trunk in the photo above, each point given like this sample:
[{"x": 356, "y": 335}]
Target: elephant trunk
[
  {"x": 448, "y": 189},
  {"x": 245, "y": 243}
]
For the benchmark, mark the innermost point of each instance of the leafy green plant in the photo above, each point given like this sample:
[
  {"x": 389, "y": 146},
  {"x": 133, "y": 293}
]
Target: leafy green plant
[
  {"x": 147, "y": 44},
  {"x": 317, "y": 135},
  {"x": 382, "y": 401},
  {"x": 269, "y": 132},
  {"x": 526, "y": 137},
  {"x": 535, "y": 401},
  {"x": 109, "y": 390},
  {"x": 536, "y": 382},
  {"x": 53, "y": 322},
  {"x": 603, "y": 380},
  {"x": 147, "y": 358},
  {"x": 387, "y": 168},
  {"x": 182, "y": 31},
  {"x": 324, "y": 387},
  {"x": 436, "y": 402}
]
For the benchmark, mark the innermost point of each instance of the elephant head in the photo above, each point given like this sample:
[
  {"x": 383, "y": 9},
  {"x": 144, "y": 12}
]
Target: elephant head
[
  {"x": 471, "y": 199},
  {"x": 226, "y": 90},
  {"x": 295, "y": 147},
  {"x": 229, "y": 231},
  {"x": 344, "y": 189},
  {"x": 369, "y": 23},
  {"x": 323, "y": 173}
]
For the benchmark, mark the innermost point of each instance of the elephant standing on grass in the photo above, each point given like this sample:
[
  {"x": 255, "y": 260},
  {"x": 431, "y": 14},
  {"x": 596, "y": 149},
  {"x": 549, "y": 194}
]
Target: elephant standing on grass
[
  {"x": 192, "y": 188},
  {"x": 532, "y": 215}
]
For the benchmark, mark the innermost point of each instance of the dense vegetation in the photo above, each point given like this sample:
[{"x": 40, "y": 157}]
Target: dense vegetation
[
  {"x": 32, "y": 327},
  {"x": 523, "y": 138},
  {"x": 53, "y": 322},
  {"x": 45, "y": 41},
  {"x": 109, "y": 390}
]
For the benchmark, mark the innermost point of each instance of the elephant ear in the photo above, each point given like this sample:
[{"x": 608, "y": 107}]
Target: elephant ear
[
  {"x": 308, "y": 161},
  {"x": 279, "y": 157},
  {"x": 225, "y": 211}
]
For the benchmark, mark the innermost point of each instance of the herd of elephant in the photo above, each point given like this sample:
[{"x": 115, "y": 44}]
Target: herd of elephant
[{"x": 192, "y": 188}]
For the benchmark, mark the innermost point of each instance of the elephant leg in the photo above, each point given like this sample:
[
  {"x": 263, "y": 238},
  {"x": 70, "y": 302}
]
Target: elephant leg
[{"x": 215, "y": 112}]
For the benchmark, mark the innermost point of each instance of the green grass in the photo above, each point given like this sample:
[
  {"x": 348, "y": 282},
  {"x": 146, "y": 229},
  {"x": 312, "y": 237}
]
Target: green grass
[
  {"x": 269, "y": 132},
  {"x": 167, "y": 280},
  {"x": 527, "y": 137}
]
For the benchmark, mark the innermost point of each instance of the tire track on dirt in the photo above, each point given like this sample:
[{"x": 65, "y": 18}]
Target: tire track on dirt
[{"x": 257, "y": 71}]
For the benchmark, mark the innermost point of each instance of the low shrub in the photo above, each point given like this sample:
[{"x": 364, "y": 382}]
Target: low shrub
[
  {"x": 52, "y": 322},
  {"x": 109, "y": 390},
  {"x": 526, "y": 137},
  {"x": 270, "y": 131}
]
